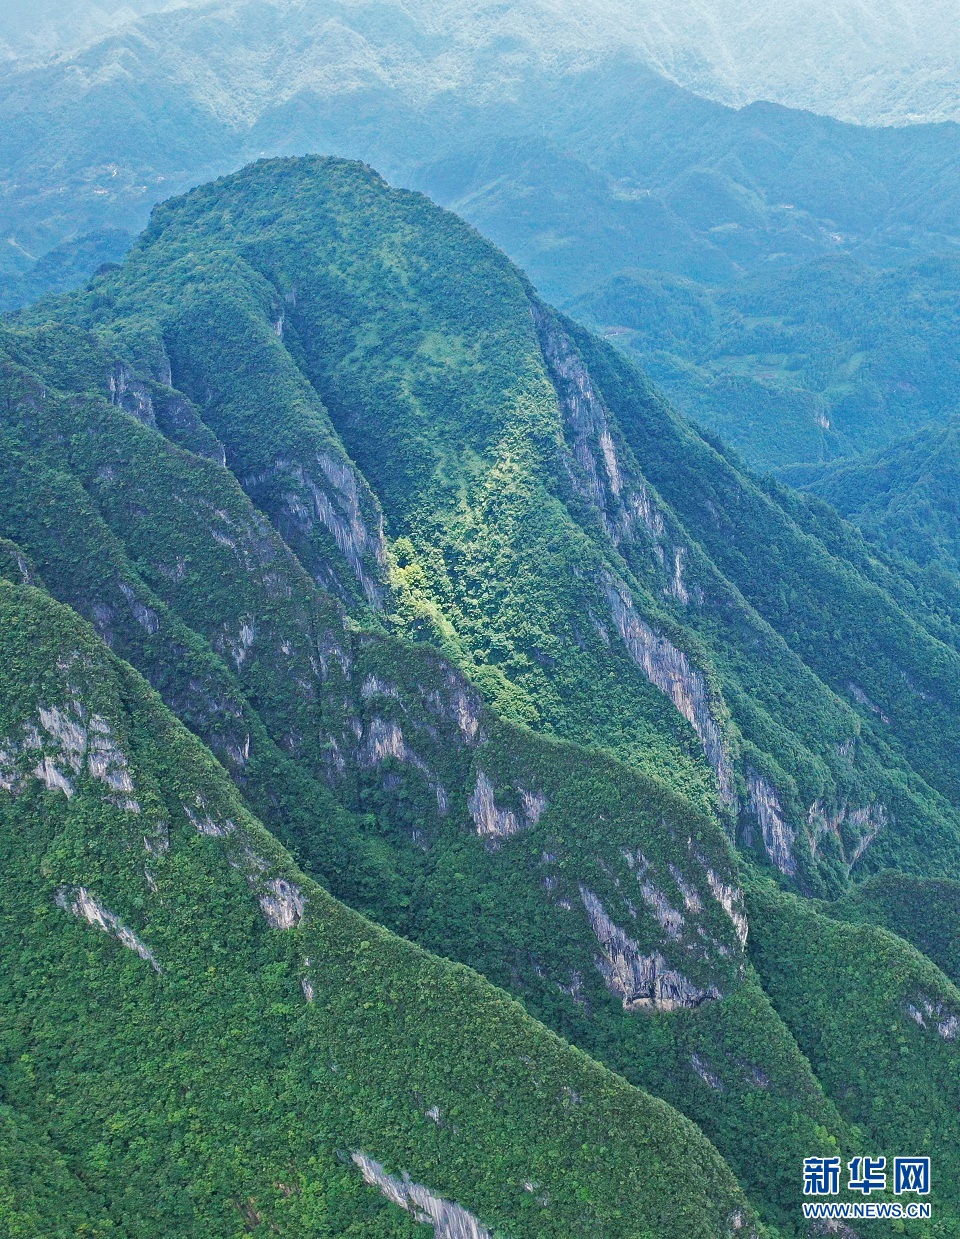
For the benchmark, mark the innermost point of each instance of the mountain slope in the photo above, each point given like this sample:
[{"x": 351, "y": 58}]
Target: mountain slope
[
  {"x": 519, "y": 503},
  {"x": 254, "y": 1006},
  {"x": 315, "y": 427},
  {"x": 402, "y": 738},
  {"x": 905, "y": 497}
]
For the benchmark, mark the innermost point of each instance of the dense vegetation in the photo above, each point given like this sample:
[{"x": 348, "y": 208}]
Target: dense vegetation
[
  {"x": 199, "y": 1061},
  {"x": 830, "y": 359},
  {"x": 503, "y": 654},
  {"x": 905, "y": 497}
]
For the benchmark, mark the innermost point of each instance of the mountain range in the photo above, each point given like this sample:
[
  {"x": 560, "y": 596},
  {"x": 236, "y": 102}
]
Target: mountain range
[
  {"x": 441, "y": 785},
  {"x": 787, "y": 278},
  {"x": 893, "y": 62}
]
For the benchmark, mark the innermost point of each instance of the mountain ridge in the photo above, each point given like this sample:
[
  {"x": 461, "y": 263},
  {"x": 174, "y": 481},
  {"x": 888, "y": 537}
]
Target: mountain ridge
[{"x": 472, "y": 621}]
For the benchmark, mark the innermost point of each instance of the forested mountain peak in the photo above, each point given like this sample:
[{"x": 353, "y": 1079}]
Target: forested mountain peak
[{"x": 475, "y": 634}]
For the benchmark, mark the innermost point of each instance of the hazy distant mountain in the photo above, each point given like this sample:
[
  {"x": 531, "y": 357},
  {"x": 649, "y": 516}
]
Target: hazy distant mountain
[
  {"x": 869, "y": 61},
  {"x": 471, "y": 102},
  {"x": 30, "y": 28}
]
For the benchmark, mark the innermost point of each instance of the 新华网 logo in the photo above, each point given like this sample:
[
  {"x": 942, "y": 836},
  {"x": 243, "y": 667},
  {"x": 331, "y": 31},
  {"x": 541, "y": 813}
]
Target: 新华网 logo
[{"x": 822, "y": 1175}]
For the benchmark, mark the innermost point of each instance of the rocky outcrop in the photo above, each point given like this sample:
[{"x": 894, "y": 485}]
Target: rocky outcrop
[
  {"x": 326, "y": 492},
  {"x": 620, "y": 496},
  {"x": 11, "y": 778},
  {"x": 779, "y": 839},
  {"x": 458, "y": 704},
  {"x": 671, "y": 921},
  {"x": 450, "y": 1221},
  {"x": 677, "y": 586},
  {"x": 730, "y": 898},
  {"x": 204, "y": 823},
  {"x": 861, "y": 698},
  {"x": 491, "y": 821},
  {"x": 534, "y": 804},
  {"x": 384, "y": 739},
  {"x": 66, "y": 741},
  {"x": 672, "y": 672},
  {"x": 282, "y": 903},
  {"x": 145, "y": 616},
  {"x": 82, "y": 903},
  {"x": 869, "y": 822},
  {"x": 131, "y": 394},
  {"x": 934, "y": 1015},
  {"x": 495, "y": 823},
  {"x": 14, "y": 565},
  {"x": 691, "y": 897},
  {"x": 643, "y": 982},
  {"x": 710, "y": 1078},
  {"x": 864, "y": 824}
]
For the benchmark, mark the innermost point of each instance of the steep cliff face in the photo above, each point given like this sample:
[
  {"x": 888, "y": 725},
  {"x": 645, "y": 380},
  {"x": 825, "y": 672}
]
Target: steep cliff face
[
  {"x": 603, "y": 470},
  {"x": 324, "y": 496},
  {"x": 671, "y": 671},
  {"x": 644, "y": 982},
  {"x": 778, "y": 838},
  {"x": 449, "y": 1220}
]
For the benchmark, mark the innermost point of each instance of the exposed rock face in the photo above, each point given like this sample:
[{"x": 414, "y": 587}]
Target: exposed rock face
[
  {"x": 700, "y": 1066},
  {"x": 458, "y": 704},
  {"x": 327, "y": 492},
  {"x": 865, "y": 822},
  {"x": 373, "y": 686},
  {"x": 11, "y": 780},
  {"x": 204, "y": 823},
  {"x": 677, "y": 587},
  {"x": 282, "y": 903},
  {"x": 869, "y": 821},
  {"x": 131, "y": 394},
  {"x": 79, "y": 901},
  {"x": 671, "y": 921},
  {"x": 861, "y": 698},
  {"x": 778, "y": 838},
  {"x": 493, "y": 822},
  {"x": 384, "y": 738},
  {"x": 691, "y": 898},
  {"x": 450, "y": 1221},
  {"x": 586, "y": 422},
  {"x": 673, "y": 673},
  {"x": 14, "y": 564},
  {"x": 644, "y": 982},
  {"x": 69, "y": 739},
  {"x": 620, "y": 495},
  {"x": 534, "y": 804},
  {"x": 936, "y": 1016},
  {"x": 145, "y": 616},
  {"x": 730, "y": 899}
]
